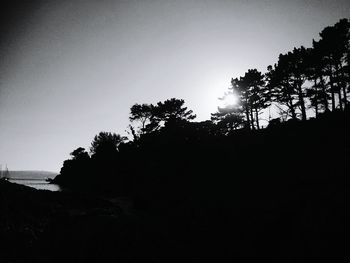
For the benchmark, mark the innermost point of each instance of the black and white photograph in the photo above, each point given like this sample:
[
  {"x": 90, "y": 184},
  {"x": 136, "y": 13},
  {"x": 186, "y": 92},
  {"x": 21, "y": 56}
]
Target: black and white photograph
[{"x": 174, "y": 131}]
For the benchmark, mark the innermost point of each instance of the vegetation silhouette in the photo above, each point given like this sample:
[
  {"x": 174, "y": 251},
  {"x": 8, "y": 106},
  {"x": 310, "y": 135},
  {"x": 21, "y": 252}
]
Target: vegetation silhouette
[
  {"x": 219, "y": 190},
  {"x": 302, "y": 80},
  {"x": 227, "y": 188}
]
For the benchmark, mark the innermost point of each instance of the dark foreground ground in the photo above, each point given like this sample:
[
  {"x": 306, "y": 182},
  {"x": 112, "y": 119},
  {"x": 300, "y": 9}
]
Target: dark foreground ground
[
  {"x": 41, "y": 226},
  {"x": 289, "y": 203}
]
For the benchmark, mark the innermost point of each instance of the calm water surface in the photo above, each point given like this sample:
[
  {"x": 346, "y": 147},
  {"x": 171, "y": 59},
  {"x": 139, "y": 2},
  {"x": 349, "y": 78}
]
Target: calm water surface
[{"x": 37, "y": 184}]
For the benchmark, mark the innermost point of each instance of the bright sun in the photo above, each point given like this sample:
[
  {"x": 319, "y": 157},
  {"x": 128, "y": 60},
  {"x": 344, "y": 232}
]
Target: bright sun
[
  {"x": 229, "y": 100},
  {"x": 218, "y": 92}
]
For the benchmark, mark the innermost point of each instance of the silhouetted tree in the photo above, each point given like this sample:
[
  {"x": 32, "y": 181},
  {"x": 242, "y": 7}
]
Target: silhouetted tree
[
  {"x": 287, "y": 78},
  {"x": 106, "y": 143},
  {"x": 74, "y": 170},
  {"x": 258, "y": 95},
  {"x": 80, "y": 154},
  {"x": 281, "y": 90},
  {"x": 228, "y": 119},
  {"x": 144, "y": 114},
  {"x": 334, "y": 46},
  {"x": 171, "y": 142},
  {"x": 153, "y": 117},
  {"x": 342, "y": 52},
  {"x": 239, "y": 87},
  {"x": 172, "y": 110},
  {"x": 317, "y": 92},
  {"x": 253, "y": 97},
  {"x": 298, "y": 75}
]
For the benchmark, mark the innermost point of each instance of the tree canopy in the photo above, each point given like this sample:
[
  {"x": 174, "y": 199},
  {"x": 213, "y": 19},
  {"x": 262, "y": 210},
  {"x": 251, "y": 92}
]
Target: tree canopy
[{"x": 106, "y": 143}]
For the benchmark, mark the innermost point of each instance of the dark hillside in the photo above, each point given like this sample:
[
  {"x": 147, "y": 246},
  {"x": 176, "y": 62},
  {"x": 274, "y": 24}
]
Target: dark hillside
[{"x": 278, "y": 194}]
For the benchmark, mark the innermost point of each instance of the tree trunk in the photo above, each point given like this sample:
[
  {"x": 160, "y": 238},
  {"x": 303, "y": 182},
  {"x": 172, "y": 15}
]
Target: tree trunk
[
  {"x": 332, "y": 91},
  {"x": 324, "y": 94},
  {"x": 257, "y": 119},
  {"x": 343, "y": 84},
  {"x": 345, "y": 98},
  {"x": 301, "y": 100},
  {"x": 247, "y": 113},
  {"x": 338, "y": 86},
  {"x": 291, "y": 107},
  {"x": 339, "y": 99},
  {"x": 302, "y": 105},
  {"x": 316, "y": 97},
  {"x": 333, "y": 97},
  {"x": 252, "y": 118}
]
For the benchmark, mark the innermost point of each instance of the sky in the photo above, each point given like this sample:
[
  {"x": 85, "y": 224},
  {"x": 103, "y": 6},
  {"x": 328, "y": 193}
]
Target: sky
[{"x": 70, "y": 69}]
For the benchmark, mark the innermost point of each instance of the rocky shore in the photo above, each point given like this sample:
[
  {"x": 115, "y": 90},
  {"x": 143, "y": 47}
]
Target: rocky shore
[{"x": 38, "y": 226}]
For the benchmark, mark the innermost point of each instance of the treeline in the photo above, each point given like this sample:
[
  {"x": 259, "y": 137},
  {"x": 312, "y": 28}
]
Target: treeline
[
  {"x": 166, "y": 140},
  {"x": 113, "y": 158},
  {"x": 225, "y": 189},
  {"x": 314, "y": 78}
]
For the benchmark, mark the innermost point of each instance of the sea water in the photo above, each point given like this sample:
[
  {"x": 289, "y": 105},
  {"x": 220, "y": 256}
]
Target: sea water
[{"x": 39, "y": 184}]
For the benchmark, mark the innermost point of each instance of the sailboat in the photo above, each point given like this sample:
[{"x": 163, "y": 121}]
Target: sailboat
[{"x": 4, "y": 175}]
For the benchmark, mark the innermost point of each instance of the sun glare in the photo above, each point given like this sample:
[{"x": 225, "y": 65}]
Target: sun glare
[{"x": 229, "y": 100}]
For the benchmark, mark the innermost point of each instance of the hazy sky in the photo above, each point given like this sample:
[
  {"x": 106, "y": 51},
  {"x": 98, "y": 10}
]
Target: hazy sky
[{"x": 70, "y": 69}]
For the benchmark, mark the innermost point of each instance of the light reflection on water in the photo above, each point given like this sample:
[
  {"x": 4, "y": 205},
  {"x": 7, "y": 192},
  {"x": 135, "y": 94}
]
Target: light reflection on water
[{"x": 37, "y": 184}]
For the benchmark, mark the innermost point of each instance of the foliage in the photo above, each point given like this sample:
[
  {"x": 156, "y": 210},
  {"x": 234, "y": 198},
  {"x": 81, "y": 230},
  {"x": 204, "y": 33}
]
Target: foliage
[
  {"x": 144, "y": 114},
  {"x": 173, "y": 110},
  {"x": 182, "y": 176},
  {"x": 316, "y": 77},
  {"x": 80, "y": 154},
  {"x": 106, "y": 143},
  {"x": 228, "y": 119},
  {"x": 153, "y": 117}
]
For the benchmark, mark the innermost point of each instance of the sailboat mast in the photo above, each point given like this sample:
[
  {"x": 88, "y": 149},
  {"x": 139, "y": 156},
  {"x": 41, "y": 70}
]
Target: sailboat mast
[{"x": 7, "y": 173}]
